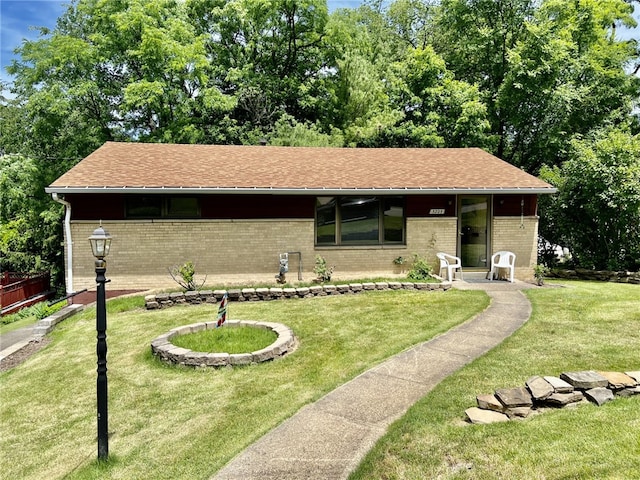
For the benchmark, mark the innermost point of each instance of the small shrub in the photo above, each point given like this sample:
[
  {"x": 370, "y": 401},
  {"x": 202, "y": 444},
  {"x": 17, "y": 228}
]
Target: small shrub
[
  {"x": 323, "y": 273},
  {"x": 184, "y": 275},
  {"x": 420, "y": 269},
  {"x": 399, "y": 260},
  {"x": 540, "y": 272}
]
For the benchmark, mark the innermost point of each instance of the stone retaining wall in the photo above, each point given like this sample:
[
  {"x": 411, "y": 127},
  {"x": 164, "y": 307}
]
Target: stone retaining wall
[
  {"x": 168, "y": 352},
  {"x": 598, "y": 275},
  {"x": 164, "y": 300},
  {"x": 540, "y": 393}
]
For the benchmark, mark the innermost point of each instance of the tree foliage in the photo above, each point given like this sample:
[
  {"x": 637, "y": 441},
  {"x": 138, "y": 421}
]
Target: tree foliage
[{"x": 597, "y": 210}]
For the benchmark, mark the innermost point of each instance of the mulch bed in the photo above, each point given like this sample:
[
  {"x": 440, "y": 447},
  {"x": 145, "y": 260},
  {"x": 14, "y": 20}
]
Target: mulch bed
[
  {"x": 89, "y": 297},
  {"x": 21, "y": 355}
]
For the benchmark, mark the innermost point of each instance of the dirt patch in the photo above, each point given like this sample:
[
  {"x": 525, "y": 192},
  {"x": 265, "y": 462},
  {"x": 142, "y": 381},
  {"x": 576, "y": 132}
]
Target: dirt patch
[
  {"x": 86, "y": 298},
  {"x": 21, "y": 355}
]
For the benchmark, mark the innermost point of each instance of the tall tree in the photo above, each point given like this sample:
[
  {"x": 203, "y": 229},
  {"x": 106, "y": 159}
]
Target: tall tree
[
  {"x": 118, "y": 69},
  {"x": 267, "y": 53},
  {"x": 596, "y": 213},
  {"x": 475, "y": 38},
  {"x": 567, "y": 76}
]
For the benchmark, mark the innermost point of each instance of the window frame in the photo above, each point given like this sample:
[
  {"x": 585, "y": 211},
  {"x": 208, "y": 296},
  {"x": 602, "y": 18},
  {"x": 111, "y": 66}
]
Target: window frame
[
  {"x": 338, "y": 241},
  {"x": 165, "y": 201}
]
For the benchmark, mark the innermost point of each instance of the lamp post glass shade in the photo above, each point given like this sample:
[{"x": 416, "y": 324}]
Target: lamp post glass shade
[{"x": 100, "y": 242}]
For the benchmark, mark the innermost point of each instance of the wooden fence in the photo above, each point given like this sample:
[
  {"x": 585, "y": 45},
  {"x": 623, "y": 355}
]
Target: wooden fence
[{"x": 16, "y": 288}]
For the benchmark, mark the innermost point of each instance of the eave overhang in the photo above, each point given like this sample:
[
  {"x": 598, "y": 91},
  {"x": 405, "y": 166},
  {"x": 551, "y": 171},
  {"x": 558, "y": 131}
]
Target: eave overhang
[{"x": 302, "y": 191}]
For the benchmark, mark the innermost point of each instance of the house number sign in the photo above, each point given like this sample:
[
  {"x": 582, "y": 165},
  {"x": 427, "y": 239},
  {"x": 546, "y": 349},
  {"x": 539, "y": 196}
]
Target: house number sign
[{"x": 436, "y": 211}]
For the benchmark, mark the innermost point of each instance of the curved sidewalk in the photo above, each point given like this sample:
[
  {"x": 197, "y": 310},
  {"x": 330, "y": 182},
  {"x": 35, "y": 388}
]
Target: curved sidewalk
[{"x": 329, "y": 438}]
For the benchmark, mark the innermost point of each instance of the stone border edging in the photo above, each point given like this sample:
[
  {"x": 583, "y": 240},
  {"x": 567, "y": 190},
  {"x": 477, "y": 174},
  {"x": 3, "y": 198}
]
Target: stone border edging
[
  {"x": 540, "y": 393},
  {"x": 164, "y": 300},
  {"x": 597, "y": 275},
  {"x": 168, "y": 352},
  {"x": 47, "y": 324}
]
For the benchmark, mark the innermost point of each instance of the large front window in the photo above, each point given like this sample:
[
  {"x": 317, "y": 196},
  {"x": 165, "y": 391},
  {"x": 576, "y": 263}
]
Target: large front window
[{"x": 359, "y": 220}]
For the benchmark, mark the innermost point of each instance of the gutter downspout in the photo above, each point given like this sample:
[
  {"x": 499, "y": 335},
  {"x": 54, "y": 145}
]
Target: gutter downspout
[{"x": 69, "y": 242}]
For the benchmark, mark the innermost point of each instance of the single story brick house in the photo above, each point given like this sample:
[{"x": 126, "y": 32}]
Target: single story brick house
[{"x": 233, "y": 210}]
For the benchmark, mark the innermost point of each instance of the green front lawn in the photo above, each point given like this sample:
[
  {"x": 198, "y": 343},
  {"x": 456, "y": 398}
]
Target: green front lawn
[
  {"x": 585, "y": 326},
  {"x": 175, "y": 422}
]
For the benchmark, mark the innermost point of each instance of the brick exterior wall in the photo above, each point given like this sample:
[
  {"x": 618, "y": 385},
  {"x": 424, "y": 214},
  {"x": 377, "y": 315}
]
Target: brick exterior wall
[
  {"x": 246, "y": 251},
  {"x": 507, "y": 234}
]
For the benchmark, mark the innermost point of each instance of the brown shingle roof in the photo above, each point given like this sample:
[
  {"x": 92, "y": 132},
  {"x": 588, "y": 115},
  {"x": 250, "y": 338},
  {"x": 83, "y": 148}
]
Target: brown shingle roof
[{"x": 170, "y": 167}]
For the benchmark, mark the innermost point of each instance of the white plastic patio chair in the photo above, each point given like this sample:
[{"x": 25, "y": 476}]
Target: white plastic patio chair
[
  {"x": 451, "y": 263},
  {"x": 503, "y": 259}
]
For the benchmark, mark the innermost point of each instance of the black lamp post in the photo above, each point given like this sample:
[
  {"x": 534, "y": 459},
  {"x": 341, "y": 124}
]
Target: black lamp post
[{"x": 100, "y": 243}]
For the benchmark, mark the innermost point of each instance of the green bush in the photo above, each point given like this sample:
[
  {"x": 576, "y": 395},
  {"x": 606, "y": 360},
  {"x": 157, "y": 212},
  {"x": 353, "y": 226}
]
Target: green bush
[
  {"x": 323, "y": 273},
  {"x": 420, "y": 269},
  {"x": 35, "y": 312}
]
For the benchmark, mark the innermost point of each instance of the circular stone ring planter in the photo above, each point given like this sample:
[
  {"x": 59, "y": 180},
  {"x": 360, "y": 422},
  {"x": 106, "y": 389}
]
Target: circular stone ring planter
[{"x": 168, "y": 352}]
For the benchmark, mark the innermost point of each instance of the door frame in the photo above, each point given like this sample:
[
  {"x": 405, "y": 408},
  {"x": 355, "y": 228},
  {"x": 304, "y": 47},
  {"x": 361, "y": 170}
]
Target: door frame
[{"x": 488, "y": 232}]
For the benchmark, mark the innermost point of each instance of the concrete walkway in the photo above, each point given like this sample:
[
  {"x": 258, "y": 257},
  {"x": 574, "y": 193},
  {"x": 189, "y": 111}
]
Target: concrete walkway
[{"x": 329, "y": 438}]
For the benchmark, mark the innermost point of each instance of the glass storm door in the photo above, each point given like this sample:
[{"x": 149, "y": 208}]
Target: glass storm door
[{"x": 473, "y": 230}]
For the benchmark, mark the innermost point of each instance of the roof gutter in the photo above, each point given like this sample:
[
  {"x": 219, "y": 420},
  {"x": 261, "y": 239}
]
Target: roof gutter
[
  {"x": 304, "y": 191},
  {"x": 69, "y": 241}
]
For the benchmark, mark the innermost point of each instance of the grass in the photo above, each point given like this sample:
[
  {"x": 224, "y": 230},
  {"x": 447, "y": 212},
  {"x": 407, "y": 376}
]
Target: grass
[
  {"x": 227, "y": 340},
  {"x": 583, "y": 326},
  {"x": 170, "y": 422}
]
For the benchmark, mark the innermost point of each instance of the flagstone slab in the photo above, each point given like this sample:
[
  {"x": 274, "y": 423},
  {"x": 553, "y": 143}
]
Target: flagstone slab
[
  {"x": 518, "y": 412},
  {"x": 628, "y": 392},
  {"x": 514, "y": 397},
  {"x": 599, "y": 395},
  {"x": 619, "y": 380},
  {"x": 489, "y": 402},
  {"x": 479, "y": 416},
  {"x": 584, "y": 380},
  {"x": 559, "y": 385},
  {"x": 539, "y": 388},
  {"x": 564, "y": 399},
  {"x": 634, "y": 375}
]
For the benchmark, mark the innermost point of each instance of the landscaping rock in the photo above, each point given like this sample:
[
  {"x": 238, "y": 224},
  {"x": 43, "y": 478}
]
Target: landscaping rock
[
  {"x": 539, "y": 388},
  {"x": 628, "y": 392},
  {"x": 395, "y": 285},
  {"x": 234, "y": 294},
  {"x": 618, "y": 380},
  {"x": 599, "y": 395},
  {"x": 518, "y": 412},
  {"x": 585, "y": 380},
  {"x": 192, "y": 296},
  {"x": 177, "y": 297},
  {"x": 564, "y": 399},
  {"x": 206, "y": 294},
  {"x": 634, "y": 375},
  {"x": 489, "y": 402},
  {"x": 559, "y": 386},
  {"x": 162, "y": 297},
  {"x": 514, "y": 397},
  {"x": 152, "y": 305},
  {"x": 483, "y": 417}
]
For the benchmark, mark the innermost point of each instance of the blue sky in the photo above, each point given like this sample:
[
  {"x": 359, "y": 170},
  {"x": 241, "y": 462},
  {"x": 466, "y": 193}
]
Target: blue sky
[{"x": 17, "y": 17}]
